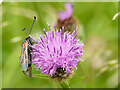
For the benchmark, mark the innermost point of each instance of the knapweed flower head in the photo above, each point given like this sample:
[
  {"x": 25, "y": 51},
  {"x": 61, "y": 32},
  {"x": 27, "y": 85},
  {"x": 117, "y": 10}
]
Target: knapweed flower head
[
  {"x": 66, "y": 19},
  {"x": 56, "y": 50},
  {"x": 67, "y": 13}
]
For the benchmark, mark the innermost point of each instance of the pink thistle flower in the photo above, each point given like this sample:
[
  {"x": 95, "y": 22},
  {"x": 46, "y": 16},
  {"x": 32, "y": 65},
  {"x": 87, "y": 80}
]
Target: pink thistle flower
[
  {"x": 67, "y": 13},
  {"x": 66, "y": 19},
  {"x": 57, "y": 50}
]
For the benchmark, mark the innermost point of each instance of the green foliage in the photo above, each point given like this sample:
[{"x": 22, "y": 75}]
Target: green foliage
[{"x": 98, "y": 32}]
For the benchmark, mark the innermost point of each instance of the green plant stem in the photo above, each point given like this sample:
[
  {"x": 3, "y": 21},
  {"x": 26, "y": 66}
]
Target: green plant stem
[
  {"x": 39, "y": 76},
  {"x": 65, "y": 85}
]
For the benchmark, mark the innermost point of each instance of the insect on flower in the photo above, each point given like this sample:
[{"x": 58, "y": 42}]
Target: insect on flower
[
  {"x": 26, "y": 58},
  {"x": 56, "y": 54}
]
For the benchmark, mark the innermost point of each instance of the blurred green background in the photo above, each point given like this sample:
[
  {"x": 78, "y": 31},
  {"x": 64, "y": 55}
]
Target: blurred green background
[{"x": 100, "y": 66}]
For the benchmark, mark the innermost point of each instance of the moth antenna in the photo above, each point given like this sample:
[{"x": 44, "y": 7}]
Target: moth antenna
[
  {"x": 32, "y": 24},
  {"x": 25, "y": 31},
  {"x": 31, "y": 27}
]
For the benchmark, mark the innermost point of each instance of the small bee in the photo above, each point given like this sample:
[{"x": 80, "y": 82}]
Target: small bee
[
  {"x": 26, "y": 57},
  {"x": 61, "y": 74}
]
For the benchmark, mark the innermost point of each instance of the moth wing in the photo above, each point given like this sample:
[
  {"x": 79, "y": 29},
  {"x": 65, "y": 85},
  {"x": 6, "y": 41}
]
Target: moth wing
[
  {"x": 22, "y": 53},
  {"x": 29, "y": 72},
  {"x": 24, "y": 59}
]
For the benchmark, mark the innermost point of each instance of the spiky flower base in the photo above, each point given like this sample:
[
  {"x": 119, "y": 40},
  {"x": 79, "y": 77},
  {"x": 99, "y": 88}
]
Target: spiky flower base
[
  {"x": 69, "y": 24},
  {"x": 57, "y": 53}
]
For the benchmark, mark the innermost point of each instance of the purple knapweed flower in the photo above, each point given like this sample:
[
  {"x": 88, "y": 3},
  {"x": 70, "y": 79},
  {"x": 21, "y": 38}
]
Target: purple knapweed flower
[
  {"x": 56, "y": 50},
  {"x": 67, "y": 13},
  {"x": 66, "y": 19}
]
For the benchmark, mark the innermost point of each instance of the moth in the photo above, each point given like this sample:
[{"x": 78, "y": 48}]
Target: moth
[{"x": 26, "y": 57}]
